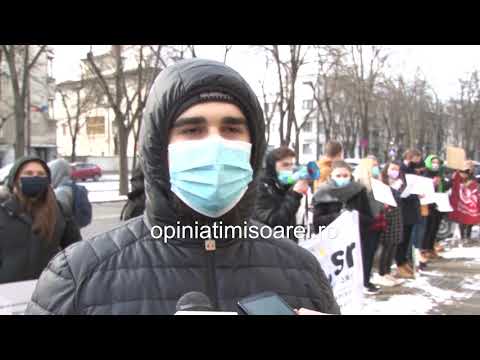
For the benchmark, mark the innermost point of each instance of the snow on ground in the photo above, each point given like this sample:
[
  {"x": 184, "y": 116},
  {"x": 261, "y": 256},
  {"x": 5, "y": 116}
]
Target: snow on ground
[
  {"x": 427, "y": 296},
  {"x": 105, "y": 190}
]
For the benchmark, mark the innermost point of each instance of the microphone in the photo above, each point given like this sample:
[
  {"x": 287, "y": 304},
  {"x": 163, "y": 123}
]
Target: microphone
[
  {"x": 197, "y": 303},
  {"x": 194, "y": 301}
]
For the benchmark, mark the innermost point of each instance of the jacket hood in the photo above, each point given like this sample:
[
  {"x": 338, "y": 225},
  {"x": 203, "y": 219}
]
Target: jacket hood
[
  {"x": 60, "y": 170},
  {"x": 173, "y": 87},
  {"x": 429, "y": 159},
  {"x": 18, "y": 165}
]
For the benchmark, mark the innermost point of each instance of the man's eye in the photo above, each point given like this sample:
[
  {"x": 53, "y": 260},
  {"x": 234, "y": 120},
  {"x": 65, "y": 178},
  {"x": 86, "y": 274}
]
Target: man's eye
[
  {"x": 233, "y": 129},
  {"x": 190, "y": 131}
]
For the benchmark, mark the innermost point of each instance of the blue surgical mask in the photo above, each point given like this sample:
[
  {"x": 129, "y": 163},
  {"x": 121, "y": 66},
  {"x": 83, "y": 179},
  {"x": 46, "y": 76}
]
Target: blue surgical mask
[
  {"x": 376, "y": 171},
  {"x": 210, "y": 176},
  {"x": 33, "y": 186},
  {"x": 341, "y": 182},
  {"x": 285, "y": 177}
]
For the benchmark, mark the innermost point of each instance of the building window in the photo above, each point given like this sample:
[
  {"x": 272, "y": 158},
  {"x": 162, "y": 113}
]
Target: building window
[
  {"x": 308, "y": 126},
  {"x": 307, "y": 104},
  {"x": 96, "y": 125},
  {"x": 307, "y": 149}
]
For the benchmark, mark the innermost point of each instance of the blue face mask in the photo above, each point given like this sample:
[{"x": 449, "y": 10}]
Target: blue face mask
[
  {"x": 33, "y": 186},
  {"x": 375, "y": 171},
  {"x": 210, "y": 176},
  {"x": 285, "y": 177},
  {"x": 341, "y": 182}
]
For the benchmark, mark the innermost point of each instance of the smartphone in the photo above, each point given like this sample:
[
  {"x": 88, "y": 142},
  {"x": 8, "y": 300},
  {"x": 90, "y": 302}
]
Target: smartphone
[{"x": 266, "y": 303}]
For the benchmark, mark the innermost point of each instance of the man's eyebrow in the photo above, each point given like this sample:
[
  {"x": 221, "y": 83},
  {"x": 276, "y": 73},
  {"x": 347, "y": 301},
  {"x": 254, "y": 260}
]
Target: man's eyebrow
[
  {"x": 195, "y": 120},
  {"x": 231, "y": 120}
]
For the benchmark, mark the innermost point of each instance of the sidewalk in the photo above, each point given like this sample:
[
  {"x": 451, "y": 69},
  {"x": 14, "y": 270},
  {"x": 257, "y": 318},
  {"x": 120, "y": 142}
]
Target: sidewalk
[{"x": 449, "y": 286}]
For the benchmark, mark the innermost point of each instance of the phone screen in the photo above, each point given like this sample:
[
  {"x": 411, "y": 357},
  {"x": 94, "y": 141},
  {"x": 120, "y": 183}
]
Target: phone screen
[{"x": 268, "y": 305}]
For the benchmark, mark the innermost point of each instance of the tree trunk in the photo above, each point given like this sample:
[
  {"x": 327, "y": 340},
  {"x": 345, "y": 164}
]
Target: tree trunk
[
  {"x": 73, "y": 157},
  {"x": 20, "y": 129},
  {"x": 123, "y": 144}
]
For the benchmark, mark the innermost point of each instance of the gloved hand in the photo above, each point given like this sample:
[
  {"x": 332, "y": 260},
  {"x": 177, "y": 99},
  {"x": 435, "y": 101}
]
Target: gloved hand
[{"x": 379, "y": 223}]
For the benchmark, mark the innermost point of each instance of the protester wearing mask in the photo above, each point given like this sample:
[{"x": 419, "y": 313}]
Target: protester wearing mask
[
  {"x": 202, "y": 142},
  {"x": 338, "y": 194},
  {"x": 412, "y": 164},
  {"x": 31, "y": 224},
  {"x": 366, "y": 170},
  {"x": 333, "y": 152},
  {"x": 277, "y": 201},
  {"x": 393, "y": 234},
  {"x": 465, "y": 201},
  {"x": 435, "y": 171}
]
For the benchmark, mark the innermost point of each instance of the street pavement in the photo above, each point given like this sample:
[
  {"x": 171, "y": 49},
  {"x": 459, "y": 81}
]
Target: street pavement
[{"x": 449, "y": 286}]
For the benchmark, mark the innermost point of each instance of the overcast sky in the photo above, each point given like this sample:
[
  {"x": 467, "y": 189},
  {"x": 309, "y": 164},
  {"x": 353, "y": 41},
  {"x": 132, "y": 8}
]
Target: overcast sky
[{"x": 442, "y": 65}]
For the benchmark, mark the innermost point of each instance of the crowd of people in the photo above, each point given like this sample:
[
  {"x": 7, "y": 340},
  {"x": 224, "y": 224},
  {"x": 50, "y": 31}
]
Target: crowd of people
[
  {"x": 388, "y": 233},
  {"x": 201, "y": 164}
]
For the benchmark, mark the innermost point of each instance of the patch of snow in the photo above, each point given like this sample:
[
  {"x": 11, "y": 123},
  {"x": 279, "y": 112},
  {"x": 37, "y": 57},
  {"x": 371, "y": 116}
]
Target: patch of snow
[
  {"x": 105, "y": 196},
  {"x": 463, "y": 253},
  {"x": 398, "y": 305}
]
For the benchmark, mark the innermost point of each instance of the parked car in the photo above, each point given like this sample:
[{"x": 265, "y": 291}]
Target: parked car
[{"x": 84, "y": 171}]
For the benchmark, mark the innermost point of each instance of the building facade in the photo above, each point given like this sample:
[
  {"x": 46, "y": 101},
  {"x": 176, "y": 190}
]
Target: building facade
[{"x": 40, "y": 126}]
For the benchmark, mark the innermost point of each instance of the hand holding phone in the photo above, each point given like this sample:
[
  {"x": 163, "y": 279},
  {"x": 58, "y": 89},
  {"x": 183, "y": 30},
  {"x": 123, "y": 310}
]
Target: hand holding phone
[{"x": 266, "y": 303}]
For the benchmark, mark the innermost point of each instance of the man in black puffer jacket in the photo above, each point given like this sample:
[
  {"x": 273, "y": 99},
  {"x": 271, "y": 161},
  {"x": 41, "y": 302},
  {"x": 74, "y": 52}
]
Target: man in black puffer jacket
[
  {"x": 277, "y": 204},
  {"x": 202, "y": 141}
]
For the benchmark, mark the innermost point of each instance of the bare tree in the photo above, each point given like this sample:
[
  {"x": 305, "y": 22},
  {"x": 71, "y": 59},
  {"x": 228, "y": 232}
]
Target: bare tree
[
  {"x": 366, "y": 72},
  {"x": 77, "y": 99},
  {"x": 21, "y": 59},
  {"x": 127, "y": 90},
  {"x": 227, "y": 50},
  {"x": 287, "y": 71},
  {"x": 469, "y": 106}
]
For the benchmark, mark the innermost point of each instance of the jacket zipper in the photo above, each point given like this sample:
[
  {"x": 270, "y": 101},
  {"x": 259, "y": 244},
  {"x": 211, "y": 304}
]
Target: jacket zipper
[{"x": 210, "y": 247}]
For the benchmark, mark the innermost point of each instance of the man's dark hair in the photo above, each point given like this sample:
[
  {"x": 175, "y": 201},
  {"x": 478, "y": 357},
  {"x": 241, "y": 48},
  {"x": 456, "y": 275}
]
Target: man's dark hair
[
  {"x": 282, "y": 152},
  {"x": 340, "y": 164},
  {"x": 410, "y": 153},
  {"x": 333, "y": 149}
]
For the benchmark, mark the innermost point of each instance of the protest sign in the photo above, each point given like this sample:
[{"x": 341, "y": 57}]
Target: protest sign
[
  {"x": 418, "y": 185},
  {"x": 382, "y": 193},
  {"x": 443, "y": 202},
  {"x": 338, "y": 250},
  {"x": 14, "y": 297},
  {"x": 456, "y": 158}
]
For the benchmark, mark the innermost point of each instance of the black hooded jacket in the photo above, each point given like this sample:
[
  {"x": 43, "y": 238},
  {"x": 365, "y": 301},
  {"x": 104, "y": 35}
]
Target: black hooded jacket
[
  {"x": 127, "y": 271},
  {"x": 329, "y": 200},
  {"x": 276, "y": 204}
]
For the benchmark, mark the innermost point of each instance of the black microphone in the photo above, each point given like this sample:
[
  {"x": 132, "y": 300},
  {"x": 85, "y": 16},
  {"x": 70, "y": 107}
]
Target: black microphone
[{"x": 194, "y": 301}]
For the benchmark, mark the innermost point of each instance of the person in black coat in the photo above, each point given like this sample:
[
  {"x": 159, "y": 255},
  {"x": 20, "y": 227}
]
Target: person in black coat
[
  {"x": 202, "y": 144},
  {"x": 413, "y": 222},
  {"x": 277, "y": 203},
  {"x": 32, "y": 226},
  {"x": 135, "y": 205},
  {"x": 341, "y": 193},
  {"x": 338, "y": 194}
]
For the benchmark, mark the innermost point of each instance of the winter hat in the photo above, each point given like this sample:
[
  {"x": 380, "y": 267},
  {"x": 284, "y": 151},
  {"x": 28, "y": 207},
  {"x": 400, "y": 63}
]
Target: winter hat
[{"x": 207, "y": 96}]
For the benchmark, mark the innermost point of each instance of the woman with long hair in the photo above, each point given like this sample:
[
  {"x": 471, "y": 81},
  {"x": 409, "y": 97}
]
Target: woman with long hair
[
  {"x": 367, "y": 169},
  {"x": 393, "y": 234},
  {"x": 32, "y": 226}
]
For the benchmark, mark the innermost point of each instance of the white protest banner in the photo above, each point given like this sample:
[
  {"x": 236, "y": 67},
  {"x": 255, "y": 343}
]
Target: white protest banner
[
  {"x": 14, "y": 297},
  {"x": 428, "y": 199},
  {"x": 443, "y": 202},
  {"x": 419, "y": 185},
  {"x": 338, "y": 250},
  {"x": 382, "y": 193}
]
